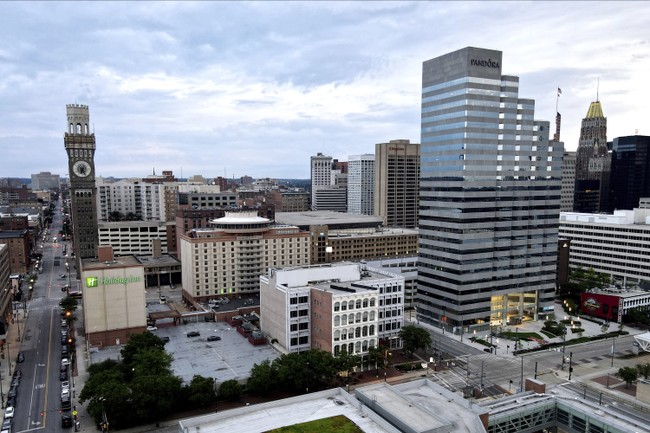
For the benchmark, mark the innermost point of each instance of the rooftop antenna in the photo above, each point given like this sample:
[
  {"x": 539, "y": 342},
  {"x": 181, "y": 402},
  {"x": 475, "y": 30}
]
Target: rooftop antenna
[{"x": 597, "y": 89}]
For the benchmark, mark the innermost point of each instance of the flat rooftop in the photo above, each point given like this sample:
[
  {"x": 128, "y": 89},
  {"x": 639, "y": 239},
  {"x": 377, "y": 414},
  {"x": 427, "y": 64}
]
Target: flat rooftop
[
  {"x": 329, "y": 218},
  {"x": 423, "y": 406},
  {"x": 117, "y": 262},
  {"x": 163, "y": 260},
  {"x": 287, "y": 412}
]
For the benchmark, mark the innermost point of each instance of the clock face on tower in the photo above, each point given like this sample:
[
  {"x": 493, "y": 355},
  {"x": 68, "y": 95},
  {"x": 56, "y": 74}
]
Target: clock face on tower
[{"x": 81, "y": 168}]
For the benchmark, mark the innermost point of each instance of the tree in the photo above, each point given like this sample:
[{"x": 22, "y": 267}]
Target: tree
[
  {"x": 263, "y": 378},
  {"x": 200, "y": 392},
  {"x": 628, "y": 374},
  {"x": 107, "y": 390},
  {"x": 69, "y": 304},
  {"x": 644, "y": 369},
  {"x": 140, "y": 342},
  {"x": 345, "y": 362},
  {"x": 376, "y": 356},
  {"x": 230, "y": 390},
  {"x": 415, "y": 338},
  {"x": 115, "y": 216}
]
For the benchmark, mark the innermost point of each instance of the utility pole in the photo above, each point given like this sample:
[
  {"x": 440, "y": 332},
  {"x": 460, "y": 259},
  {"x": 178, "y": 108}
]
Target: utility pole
[
  {"x": 613, "y": 350},
  {"x": 570, "y": 364},
  {"x": 521, "y": 387}
]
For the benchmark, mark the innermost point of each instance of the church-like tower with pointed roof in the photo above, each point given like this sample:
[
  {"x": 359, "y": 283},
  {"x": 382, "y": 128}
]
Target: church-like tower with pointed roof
[{"x": 593, "y": 162}]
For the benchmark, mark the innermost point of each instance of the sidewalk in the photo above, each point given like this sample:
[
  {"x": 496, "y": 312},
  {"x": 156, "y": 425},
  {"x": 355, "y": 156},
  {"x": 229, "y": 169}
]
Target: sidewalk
[
  {"x": 505, "y": 346},
  {"x": 10, "y": 348}
]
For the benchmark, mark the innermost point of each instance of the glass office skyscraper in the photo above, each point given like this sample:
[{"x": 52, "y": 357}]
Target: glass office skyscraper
[{"x": 489, "y": 197}]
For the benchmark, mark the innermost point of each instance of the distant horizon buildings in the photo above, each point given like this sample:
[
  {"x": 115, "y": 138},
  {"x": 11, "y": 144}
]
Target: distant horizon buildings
[
  {"x": 45, "y": 181},
  {"x": 489, "y": 197}
]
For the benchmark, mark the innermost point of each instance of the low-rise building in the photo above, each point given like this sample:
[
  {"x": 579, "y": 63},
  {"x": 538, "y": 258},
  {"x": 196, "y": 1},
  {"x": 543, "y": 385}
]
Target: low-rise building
[
  {"x": 612, "y": 303},
  {"x": 335, "y": 307},
  {"x": 114, "y": 304}
]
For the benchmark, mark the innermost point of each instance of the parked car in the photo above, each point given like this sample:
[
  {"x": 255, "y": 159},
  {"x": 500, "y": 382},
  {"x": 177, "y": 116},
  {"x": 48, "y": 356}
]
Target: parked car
[
  {"x": 9, "y": 412},
  {"x": 165, "y": 339},
  {"x": 15, "y": 381},
  {"x": 21, "y": 357},
  {"x": 66, "y": 421},
  {"x": 214, "y": 338},
  {"x": 151, "y": 328},
  {"x": 63, "y": 375},
  {"x": 194, "y": 334},
  {"x": 6, "y": 424},
  {"x": 11, "y": 400},
  {"x": 65, "y": 385},
  {"x": 18, "y": 373}
]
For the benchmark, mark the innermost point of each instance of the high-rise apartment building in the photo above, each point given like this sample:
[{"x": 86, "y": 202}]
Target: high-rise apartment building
[
  {"x": 361, "y": 184},
  {"x": 630, "y": 177},
  {"x": 321, "y": 175},
  {"x": 567, "y": 192},
  {"x": 397, "y": 182},
  {"x": 80, "y": 146},
  {"x": 229, "y": 257},
  {"x": 593, "y": 163},
  {"x": 489, "y": 196}
]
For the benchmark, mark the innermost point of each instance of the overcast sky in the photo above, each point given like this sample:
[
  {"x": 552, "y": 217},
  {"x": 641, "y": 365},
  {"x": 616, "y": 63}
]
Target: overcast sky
[{"x": 257, "y": 88}]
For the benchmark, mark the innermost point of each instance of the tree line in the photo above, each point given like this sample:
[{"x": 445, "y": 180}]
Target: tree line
[{"x": 142, "y": 388}]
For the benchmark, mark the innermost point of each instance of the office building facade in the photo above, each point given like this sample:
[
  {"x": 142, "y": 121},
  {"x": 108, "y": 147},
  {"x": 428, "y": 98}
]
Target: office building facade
[
  {"x": 630, "y": 177},
  {"x": 45, "y": 181},
  {"x": 616, "y": 244},
  {"x": 397, "y": 182},
  {"x": 567, "y": 192},
  {"x": 321, "y": 175},
  {"x": 338, "y": 307},
  {"x": 593, "y": 163},
  {"x": 489, "y": 196},
  {"x": 361, "y": 184}
]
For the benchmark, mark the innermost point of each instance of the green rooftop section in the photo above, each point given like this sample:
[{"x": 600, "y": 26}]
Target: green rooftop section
[{"x": 335, "y": 424}]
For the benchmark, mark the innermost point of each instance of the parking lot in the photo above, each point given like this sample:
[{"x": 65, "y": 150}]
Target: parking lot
[{"x": 232, "y": 357}]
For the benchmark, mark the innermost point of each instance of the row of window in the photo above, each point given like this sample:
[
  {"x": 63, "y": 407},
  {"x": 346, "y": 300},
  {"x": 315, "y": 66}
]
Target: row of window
[
  {"x": 346, "y": 319},
  {"x": 358, "y": 332},
  {"x": 351, "y": 305},
  {"x": 358, "y": 347}
]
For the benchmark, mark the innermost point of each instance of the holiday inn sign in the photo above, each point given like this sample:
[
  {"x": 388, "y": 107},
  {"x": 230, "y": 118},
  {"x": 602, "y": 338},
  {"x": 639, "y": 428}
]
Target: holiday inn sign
[{"x": 95, "y": 281}]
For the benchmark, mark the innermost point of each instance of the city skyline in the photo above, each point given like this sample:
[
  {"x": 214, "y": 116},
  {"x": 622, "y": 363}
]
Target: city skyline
[{"x": 233, "y": 89}]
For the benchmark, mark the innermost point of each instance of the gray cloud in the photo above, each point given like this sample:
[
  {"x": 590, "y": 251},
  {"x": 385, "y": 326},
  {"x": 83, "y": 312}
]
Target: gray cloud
[{"x": 255, "y": 88}]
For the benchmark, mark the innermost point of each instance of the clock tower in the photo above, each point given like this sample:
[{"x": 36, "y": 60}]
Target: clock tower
[{"x": 80, "y": 147}]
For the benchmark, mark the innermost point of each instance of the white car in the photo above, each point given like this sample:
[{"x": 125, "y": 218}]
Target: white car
[
  {"x": 151, "y": 328},
  {"x": 65, "y": 362},
  {"x": 9, "y": 412},
  {"x": 65, "y": 385}
]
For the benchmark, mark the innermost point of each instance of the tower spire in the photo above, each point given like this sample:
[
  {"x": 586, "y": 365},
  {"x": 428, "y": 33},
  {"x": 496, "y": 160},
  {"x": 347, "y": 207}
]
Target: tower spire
[{"x": 597, "y": 89}]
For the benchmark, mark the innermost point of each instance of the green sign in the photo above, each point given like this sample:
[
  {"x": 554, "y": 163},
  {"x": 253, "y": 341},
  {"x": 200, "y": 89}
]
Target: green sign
[{"x": 94, "y": 281}]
